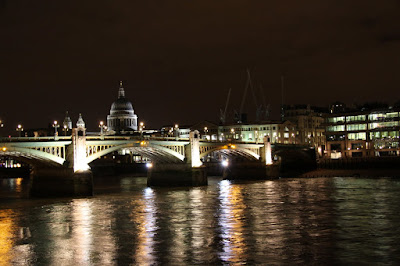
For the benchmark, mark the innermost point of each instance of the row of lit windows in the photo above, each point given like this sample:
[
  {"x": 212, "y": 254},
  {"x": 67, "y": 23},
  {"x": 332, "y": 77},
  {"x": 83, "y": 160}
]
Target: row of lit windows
[
  {"x": 342, "y": 119},
  {"x": 355, "y": 118},
  {"x": 383, "y": 134},
  {"x": 384, "y": 124},
  {"x": 386, "y": 145},
  {"x": 357, "y": 136},
  {"x": 335, "y": 128},
  {"x": 363, "y": 136},
  {"x": 356, "y": 127},
  {"x": 236, "y": 129},
  {"x": 381, "y": 116}
]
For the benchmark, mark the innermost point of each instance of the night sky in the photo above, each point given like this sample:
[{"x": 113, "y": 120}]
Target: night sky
[{"x": 178, "y": 59}]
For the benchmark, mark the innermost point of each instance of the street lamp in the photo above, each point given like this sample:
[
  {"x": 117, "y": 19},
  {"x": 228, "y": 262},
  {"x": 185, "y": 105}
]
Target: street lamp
[
  {"x": 233, "y": 133},
  {"x": 102, "y": 128},
  {"x": 19, "y": 129},
  {"x": 176, "y": 131},
  {"x": 205, "y": 132},
  {"x": 65, "y": 129},
  {"x": 1, "y": 124},
  {"x": 55, "y": 125},
  {"x": 141, "y": 127}
]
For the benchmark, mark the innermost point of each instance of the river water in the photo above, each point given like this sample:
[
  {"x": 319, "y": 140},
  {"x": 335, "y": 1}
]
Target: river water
[{"x": 286, "y": 221}]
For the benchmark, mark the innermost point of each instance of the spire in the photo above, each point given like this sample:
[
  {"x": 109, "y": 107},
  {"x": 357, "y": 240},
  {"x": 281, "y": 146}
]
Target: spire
[
  {"x": 80, "y": 123},
  {"x": 121, "y": 92},
  {"x": 67, "y": 121}
]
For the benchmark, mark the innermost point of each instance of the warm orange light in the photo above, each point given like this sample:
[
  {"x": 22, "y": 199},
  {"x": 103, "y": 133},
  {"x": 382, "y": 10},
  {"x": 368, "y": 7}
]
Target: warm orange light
[
  {"x": 4, "y": 148},
  {"x": 143, "y": 143},
  {"x": 233, "y": 146}
]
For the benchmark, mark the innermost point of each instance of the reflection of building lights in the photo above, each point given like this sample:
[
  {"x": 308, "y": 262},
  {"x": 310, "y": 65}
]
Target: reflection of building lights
[
  {"x": 146, "y": 227},
  {"x": 6, "y": 236},
  {"x": 149, "y": 165},
  {"x": 225, "y": 163},
  {"x": 82, "y": 234},
  {"x": 230, "y": 221}
]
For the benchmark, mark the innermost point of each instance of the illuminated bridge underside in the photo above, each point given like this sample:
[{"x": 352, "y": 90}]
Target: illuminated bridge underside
[
  {"x": 51, "y": 153},
  {"x": 159, "y": 151},
  {"x": 249, "y": 151},
  {"x": 155, "y": 155}
]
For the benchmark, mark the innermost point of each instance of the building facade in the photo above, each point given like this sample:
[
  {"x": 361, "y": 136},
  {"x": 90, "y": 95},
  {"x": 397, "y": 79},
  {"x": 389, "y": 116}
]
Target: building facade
[
  {"x": 310, "y": 124},
  {"x": 363, "y": 133},
  {"x": 280, "y": 132}
]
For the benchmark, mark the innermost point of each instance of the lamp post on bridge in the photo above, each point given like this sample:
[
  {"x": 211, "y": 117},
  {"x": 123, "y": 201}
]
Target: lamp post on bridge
[
  {"x": 141, "y": 127},
  {"x": 205, "y": 132},
  {"x": 1, "y": 125},
  {"x": 102, "y": 127},
  {"x": 176, "y": 129},
  {"x": 55, "y": 125},
  {"x": 65, "y": 129},
  {"x": 19, "y": 129}
]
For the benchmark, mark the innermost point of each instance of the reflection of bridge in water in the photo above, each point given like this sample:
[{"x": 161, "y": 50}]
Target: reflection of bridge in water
[{"x": 61, "y": 164}]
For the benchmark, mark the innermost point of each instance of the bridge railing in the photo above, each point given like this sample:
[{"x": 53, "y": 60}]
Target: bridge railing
[{"x": 21, "y": 139}]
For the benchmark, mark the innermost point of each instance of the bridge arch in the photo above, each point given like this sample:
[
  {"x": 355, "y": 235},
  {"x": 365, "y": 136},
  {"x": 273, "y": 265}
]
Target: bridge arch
[
  {"x": 34, "y": 158},
  {"x": 233, "y": 151},
  {"x": 53, "y": 154},
  {"x": 151, "y": 150}
]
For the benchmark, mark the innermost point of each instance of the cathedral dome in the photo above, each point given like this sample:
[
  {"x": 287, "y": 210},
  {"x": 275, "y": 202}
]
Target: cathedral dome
[
  {"x": 122, "y": 115},
  {"x": 121, "y": 105}
]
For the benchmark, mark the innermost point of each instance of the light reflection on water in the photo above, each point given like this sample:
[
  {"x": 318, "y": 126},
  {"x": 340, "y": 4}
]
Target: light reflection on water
[
  {"x": 145, "y": 218},
  {"x": 231, "y": 222},
  {"x": 300, "y": 221}
]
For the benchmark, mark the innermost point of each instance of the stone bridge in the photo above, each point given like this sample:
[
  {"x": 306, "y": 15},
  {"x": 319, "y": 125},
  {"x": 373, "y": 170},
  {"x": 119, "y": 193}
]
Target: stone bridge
[
  {"x": 62, "y": 151},
  {"x": 61, "y": 164}
]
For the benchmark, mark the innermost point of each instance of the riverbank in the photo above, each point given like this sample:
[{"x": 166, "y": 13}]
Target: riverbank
[{"x": 369, "y": 172}]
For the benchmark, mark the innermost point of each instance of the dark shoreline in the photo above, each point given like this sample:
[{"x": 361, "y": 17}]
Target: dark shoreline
[{"x": 369, "y": 172}]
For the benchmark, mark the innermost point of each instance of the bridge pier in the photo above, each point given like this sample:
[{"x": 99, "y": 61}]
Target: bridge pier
[
  {"x": 60, "y": 182},
  {"x": 72, "y": 179},
  {"x": 250, "y": 171},
  {"x": 189, "y": 173},
  {"x": 176, "y": 175}
]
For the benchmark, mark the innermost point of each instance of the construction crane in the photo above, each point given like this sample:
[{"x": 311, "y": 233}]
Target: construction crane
[{"x": 223, "y": 112}]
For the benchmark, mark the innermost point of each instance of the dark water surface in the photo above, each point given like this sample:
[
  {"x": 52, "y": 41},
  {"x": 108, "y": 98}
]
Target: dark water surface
[{"x": 287, "y": 221}]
